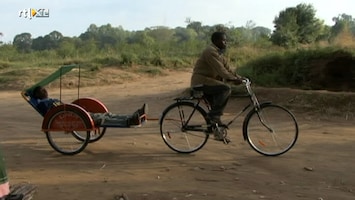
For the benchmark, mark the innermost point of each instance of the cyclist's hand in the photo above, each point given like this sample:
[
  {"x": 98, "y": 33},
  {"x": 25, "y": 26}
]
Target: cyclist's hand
[{"x": 236, "y": 80}]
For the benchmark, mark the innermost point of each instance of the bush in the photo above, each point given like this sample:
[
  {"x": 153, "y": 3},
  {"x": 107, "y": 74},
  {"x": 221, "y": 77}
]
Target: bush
[
  {"x": 305, "y": 68},
  {"x": 128, "y": 59},
  {"x": 108, "y": 61},
  {"x": 4, "y": 65}
]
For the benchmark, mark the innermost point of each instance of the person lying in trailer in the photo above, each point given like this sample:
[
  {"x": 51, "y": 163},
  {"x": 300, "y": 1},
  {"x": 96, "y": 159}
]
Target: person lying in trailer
[{"x": 44, "y": 104}]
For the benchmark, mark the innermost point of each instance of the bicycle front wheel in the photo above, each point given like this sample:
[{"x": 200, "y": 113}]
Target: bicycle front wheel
[
  {"x": 271, "y": 131},
  {"x": 183, "y": 127}
]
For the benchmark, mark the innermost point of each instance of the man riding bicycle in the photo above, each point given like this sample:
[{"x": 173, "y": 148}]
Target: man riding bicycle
[{"x": 211, "y": 71}]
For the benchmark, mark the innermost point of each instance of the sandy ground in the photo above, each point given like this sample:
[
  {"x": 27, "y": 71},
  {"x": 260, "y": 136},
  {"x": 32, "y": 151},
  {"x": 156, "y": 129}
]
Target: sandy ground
[{"x": 136, "y": 161}]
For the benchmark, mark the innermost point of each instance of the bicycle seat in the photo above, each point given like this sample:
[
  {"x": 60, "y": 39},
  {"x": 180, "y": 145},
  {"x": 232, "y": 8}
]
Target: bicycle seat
[
  {"x": 196, "y": 91},
  {"x": 198, "y": 87}
]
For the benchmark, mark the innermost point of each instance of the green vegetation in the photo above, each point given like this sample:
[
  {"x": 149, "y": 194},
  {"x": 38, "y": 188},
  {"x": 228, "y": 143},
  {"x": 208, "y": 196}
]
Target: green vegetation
[
  {"x": 316, "y": 68},
  {"x": 301, "y": 52}
]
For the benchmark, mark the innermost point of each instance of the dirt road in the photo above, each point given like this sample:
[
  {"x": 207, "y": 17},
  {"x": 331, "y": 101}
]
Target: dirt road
[{"x": 137, "y": 162}]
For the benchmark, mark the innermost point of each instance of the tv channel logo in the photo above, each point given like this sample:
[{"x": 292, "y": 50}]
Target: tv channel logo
[{"x": 31, "y": 13}]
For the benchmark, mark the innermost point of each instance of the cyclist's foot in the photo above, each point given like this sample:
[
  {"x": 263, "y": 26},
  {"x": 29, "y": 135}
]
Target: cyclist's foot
[
  {"x": 218, "y": 137},
  {"x": 216, "y": 120},
  {"x": 220, "y": 134}
]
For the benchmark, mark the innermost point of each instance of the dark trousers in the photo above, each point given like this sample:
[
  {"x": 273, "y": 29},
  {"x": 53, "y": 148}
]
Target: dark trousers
[{"x": 217, "y": 96}]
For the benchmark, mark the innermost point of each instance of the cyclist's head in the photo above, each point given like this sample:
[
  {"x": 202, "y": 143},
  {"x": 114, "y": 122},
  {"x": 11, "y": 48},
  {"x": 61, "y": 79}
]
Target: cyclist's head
[{"x": 219, "y": 39}]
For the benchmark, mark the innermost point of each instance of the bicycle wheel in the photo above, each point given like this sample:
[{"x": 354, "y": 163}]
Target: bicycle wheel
[
  {"x": 94, "y": 135},
  {"x": 183, "y": 128},
  {"x": 63, "y": 141},
  {"x": 271, "y": 131}
]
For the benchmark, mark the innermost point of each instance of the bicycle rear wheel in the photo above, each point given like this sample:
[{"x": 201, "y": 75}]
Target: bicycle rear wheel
[
  {"x": 183, "y": 127},
  {"x": 271, "y": 131}
]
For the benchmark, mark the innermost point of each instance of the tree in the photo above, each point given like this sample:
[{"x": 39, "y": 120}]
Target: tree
[
  {"x": 343, "y": 22},
  {"x": 161, "y": 33},
  {"x": 184, "y": 34},
  {"x": 296, "y": 25},
  {"x": 66, "y": 47},
  {"x": 197, "y": 26},
  {"x": 48, "y": 42},
  {"x": 141, "y": 38},
  {"x": 23, "y": 42},
  {"x": 38, "y": 44},
  {"x": 87, "y": 48},
  {"x": 105, "y": 36},
  {"x": 55, "y": 36},
  {"x": 90, "y": 34},
  {"x": 203, "y": 32}
]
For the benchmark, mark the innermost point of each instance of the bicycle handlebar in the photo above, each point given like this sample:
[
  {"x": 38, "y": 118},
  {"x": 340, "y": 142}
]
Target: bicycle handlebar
[{"x": 245, "y": 80}]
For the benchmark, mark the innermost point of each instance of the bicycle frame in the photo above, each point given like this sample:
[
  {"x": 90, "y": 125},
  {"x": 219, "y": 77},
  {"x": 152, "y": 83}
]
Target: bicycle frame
[
  {"x": 185, "y": 124},
  {"x": 254, "y": 102}
]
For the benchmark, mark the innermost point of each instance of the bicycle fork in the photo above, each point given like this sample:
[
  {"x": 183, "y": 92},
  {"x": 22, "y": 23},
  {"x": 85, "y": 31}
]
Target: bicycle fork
[{"x": 270, "y": 129}]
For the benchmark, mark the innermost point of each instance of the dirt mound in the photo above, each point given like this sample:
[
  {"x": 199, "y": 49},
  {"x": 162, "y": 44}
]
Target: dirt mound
[{"x": 335, "y": 73}]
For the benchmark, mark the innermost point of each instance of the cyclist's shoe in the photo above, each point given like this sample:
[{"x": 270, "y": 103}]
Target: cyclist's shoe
[
  {"x": 220, "y": 134},
  {"x": 218, "y": 137}
]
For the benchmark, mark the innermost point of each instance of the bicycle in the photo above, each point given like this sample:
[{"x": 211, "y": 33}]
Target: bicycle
[{"x": 270, "y": 129}]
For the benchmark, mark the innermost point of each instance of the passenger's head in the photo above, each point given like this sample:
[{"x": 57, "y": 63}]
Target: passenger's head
[
  {"x": 219, "y": 39},
  {"x": 40, "y": 92}
]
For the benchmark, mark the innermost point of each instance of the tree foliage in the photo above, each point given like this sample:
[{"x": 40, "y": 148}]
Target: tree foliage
[
  {"x": 23, "y": 42},
  {"x": 159, "y": 45},
  {"x": 297, "y": 25},
  {"x": 343, "y": 22}
]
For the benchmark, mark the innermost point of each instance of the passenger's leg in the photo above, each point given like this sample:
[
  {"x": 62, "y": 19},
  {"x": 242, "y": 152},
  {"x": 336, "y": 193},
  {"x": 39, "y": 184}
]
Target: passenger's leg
[{"x": 109, "y": 119}]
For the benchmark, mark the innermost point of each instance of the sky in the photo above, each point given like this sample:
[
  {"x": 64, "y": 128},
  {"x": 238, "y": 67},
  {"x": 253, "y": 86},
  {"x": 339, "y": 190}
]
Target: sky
[{"x": 73, "y": 17}]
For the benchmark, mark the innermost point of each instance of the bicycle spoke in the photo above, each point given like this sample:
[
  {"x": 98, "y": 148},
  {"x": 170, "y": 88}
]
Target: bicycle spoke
[
  {"x": 183, "y": 127},
  {"x": 272, "y": 130}
]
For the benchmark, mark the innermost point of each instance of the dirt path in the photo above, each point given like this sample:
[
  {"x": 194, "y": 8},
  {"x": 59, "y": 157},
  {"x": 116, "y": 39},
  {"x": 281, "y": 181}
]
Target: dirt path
[{"x": 137, "y": 162}]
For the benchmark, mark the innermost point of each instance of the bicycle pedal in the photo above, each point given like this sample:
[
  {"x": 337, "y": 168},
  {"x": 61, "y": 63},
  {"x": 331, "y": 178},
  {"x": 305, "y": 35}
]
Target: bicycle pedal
[
  {"x": 226, "y": 140},
  {"x": 216, "y": 125}
]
